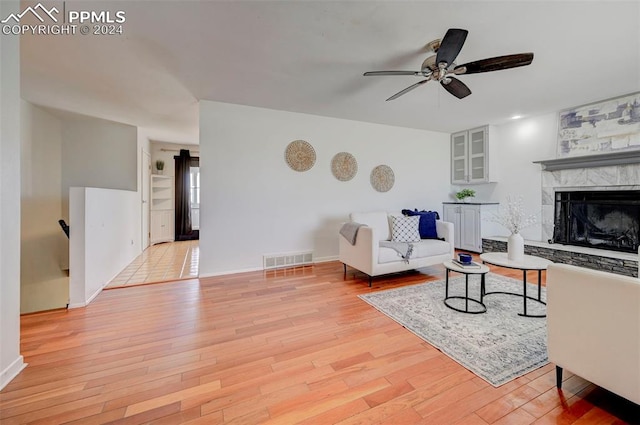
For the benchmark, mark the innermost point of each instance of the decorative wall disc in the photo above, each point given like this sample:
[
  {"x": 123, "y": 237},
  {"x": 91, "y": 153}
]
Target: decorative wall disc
[
  {"x": 300, "y": 155},
  {"x": 382, "y": 178},
  {"x": 344, "y": 166}
]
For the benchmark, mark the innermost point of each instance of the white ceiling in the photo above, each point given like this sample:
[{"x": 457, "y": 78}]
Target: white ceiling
[{"x": 309, "y": 56}]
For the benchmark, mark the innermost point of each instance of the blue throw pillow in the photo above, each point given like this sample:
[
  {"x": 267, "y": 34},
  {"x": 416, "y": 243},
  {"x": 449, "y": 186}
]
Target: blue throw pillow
[{"x": 427, "y": 226}]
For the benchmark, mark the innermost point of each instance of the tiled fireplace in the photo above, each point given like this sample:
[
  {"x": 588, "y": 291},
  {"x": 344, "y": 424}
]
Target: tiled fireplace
[
  {"x": 607, "y": 172},
  {"x": 620, "y": 173},
  {"x": 620, "y": 177}
]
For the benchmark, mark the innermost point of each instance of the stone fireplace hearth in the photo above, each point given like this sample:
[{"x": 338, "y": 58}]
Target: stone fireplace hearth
[{"x": 611, "y": 261}]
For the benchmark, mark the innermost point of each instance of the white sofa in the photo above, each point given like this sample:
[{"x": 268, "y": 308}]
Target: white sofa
[
  {"x": 368, "y": 257},
  {"x": 593, "y": 324}
]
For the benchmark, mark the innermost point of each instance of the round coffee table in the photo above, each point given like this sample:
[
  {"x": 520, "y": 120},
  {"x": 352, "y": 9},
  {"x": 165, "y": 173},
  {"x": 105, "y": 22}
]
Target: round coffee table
[
  {"x": 482, "y": 270},
  {"x": 529, "y": 262}
]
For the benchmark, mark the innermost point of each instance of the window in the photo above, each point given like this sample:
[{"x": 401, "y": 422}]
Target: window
[
  {"x": 194, "y": 196},
  {"x": 195, "y": 187}
]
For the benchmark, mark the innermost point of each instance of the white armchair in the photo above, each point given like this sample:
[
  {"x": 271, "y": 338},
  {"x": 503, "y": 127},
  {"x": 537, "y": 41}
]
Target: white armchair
[
  {"x": 370, "y": 258},
  {"x": 593, "y": 324}
]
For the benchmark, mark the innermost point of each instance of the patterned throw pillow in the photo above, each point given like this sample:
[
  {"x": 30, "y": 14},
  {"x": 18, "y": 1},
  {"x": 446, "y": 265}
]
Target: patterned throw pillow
[{"x": 405, "y": 229}]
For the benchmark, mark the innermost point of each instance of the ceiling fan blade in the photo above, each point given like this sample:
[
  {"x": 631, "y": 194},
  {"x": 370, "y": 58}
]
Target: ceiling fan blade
[
  {"x": 456, "y": 87},
  {"x": 392, "y": 73},
  {"x": 451, "y": 45},
  {"x": 495, "y": 64},
  {"x": 408, "y": 89}
]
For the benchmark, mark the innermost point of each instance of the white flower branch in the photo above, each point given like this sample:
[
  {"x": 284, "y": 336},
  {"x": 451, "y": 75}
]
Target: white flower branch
[{"x": 513, "y": 218}]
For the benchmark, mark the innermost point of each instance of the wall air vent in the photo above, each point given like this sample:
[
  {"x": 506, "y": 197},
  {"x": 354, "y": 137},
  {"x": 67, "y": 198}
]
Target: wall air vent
[{"x": 290, "y": 259}]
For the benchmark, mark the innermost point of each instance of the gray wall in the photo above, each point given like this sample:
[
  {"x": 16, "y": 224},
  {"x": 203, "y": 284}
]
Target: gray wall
[{"x": 98, "y": 153}]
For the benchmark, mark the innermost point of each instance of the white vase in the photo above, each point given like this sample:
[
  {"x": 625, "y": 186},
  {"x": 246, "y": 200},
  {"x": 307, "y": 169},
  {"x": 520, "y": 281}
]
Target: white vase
[{"x": 515, "y": 247}]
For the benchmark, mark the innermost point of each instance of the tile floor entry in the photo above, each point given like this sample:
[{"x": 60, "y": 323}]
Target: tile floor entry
[{"x": 159, "y": 263}]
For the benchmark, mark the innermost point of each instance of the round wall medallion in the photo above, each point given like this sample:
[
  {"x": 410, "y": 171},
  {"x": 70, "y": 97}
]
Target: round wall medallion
[
  {"x": 300, "y": 155},
  {"x": 382, "y": 178},
  {"x": 344, "y": 166}
]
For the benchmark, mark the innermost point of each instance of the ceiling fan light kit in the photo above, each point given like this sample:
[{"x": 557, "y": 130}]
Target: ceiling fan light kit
[{"x": 442, "y": 68}]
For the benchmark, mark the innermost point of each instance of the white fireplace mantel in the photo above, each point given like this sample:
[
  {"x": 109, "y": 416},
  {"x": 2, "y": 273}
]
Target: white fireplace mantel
[{"x": 590, "y": 161}]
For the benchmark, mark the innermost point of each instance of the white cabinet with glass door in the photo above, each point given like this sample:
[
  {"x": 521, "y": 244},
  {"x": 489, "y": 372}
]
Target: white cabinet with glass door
[{"x": 470, "y": 157}]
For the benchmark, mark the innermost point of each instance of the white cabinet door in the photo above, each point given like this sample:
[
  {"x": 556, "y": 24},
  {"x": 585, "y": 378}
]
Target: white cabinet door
[
  {"x": 477, "y": 154},
  {"x": 459, "y": 157},
  {"x": 162, "y": 226},
  {"x": 451, "y": 214},
  {"x": 469, "y": 156},
  {"x": 470, "y": 228}
]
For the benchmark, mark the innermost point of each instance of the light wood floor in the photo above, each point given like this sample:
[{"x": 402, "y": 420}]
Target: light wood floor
[
  {"x": 288, "y": 346},
  {"x": 161, "y": 263}
]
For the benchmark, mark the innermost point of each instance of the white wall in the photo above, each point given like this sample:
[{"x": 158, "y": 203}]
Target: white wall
[
  {"x": 11, "y": 362},
  {"x": 102, "y": 238},
  {"x": 254, "y": 204},
  {"x": 98, "y": 153},
  {"x": 44, "y": 281},
  {"x": 518, "y": 144}
]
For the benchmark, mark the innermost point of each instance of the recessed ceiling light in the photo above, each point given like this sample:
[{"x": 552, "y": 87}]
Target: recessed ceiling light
[{"x": 516, "y": 117}]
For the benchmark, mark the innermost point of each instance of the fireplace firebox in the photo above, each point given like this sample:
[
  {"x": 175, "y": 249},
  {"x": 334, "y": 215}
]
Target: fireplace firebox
[{"x": 598, "y": 219}]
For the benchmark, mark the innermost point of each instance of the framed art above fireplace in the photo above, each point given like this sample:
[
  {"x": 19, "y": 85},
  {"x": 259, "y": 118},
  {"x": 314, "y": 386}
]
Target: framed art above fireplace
[{"x": 607, "y": 126}]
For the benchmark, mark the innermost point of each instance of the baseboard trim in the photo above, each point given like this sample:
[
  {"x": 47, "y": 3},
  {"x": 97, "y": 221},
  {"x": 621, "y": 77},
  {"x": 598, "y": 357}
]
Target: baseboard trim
[
  {"x": 214, "y": 274},
  {"x": 257, "y": 269},
  {"x": 95, "y": 294},
  {"x": 325, "y": 259},
  {"x": 12, "y": 371},
  {"x": 91, "y": 298}
]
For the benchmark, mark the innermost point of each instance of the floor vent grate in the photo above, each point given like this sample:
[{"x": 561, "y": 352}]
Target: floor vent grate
[{"x": 292, "y": 259}]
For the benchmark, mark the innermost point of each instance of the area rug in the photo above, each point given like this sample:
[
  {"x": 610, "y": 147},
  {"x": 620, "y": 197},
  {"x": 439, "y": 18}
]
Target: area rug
[{"x": 498, "y": 345}]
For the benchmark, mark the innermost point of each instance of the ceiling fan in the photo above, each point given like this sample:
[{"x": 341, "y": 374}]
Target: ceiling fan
[{"x": 442, "y": 68}]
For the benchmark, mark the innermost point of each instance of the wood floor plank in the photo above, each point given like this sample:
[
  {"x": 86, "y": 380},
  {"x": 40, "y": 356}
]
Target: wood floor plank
[
  {"x": 282, "y": 347},
  {"x": 261, "y": 402},
  {"x": 304, "y": 409},
  {"x": 472, "y": 419},
  {"x": 100, "y": 418},
  {"x": 337, "y": 414},
  {"x": 408, "y": 400},
  {"x": 552, "y": 398},
  {"x": 406, "y": 416},
  {"x": 124, "y": 396},
  {"x": 506, "y": 404},
  {"x": 453, "y": 406},
  {"x": 178, "y": 396},
  {"x": 516, "y": 417}
]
